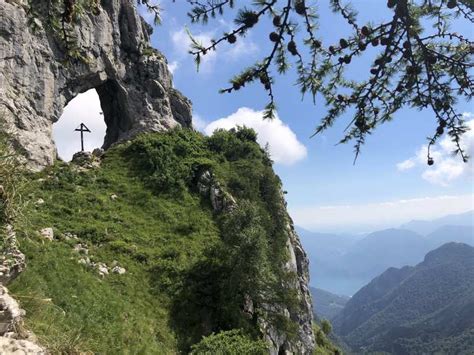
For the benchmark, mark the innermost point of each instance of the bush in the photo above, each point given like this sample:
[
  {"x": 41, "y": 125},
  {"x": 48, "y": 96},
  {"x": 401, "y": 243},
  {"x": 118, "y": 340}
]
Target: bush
[
  {"x": 236, "y": 144},
  {"x": 326, "y": 326},
  {"x": 229, "y": 343},
  {"x": 244, "y": 133}
]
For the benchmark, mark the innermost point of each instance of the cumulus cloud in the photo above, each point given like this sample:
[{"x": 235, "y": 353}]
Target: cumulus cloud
[
  {"x": 199, "y": 123},
  {"x": 182, "y": 44},
  {"x": 378, "y": 215},
  {"x": 406, "y": 165},
  {"x": 173, "y": 66},
  {"x": 84, "y": 108},
  {"x": 282, "y": 141},
  {"x": 447, "y": 168}
]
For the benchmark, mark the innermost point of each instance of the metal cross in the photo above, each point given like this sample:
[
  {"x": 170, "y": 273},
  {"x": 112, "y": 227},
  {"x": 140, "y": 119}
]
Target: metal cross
[{"x": 82, "y": 128}]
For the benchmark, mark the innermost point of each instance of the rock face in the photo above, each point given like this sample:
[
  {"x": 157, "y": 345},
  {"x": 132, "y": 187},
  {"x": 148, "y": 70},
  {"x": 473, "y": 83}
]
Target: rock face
[
  {"x": 13, "y": 338},
  {"x": 36, "y": 82},
  {"x": 12, "y": 260}
]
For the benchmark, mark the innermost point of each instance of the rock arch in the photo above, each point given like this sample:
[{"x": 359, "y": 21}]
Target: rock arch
[{"x": 36, "y": 83}]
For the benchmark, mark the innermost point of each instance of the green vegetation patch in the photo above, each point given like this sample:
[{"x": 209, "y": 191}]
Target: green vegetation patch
[
  {"x": 232, "y": 342},
  {"x": 188, "y": 269}
]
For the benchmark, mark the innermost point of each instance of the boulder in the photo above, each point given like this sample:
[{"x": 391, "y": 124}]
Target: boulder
[
  {"x": 81, "y": 249},
  {"x": 47, "y": 233},
  {"x": 70, "y": 236},
  {"x": 118, "y": 270},
  {"x": 20, "y": 347},
  {"x": 102, "y": 269},
  {"x": 39, "y": 202},
  {"x": 10, "y": 311},
  {"x": 12, "y": 260}
]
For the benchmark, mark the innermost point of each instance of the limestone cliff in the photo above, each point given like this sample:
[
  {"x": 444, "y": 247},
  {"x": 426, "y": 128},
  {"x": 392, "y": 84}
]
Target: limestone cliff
[{"x": 36, "y": 81}]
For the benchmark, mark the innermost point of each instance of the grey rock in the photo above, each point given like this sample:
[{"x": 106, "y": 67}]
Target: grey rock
[
  {"x": 82, "y": 158},
  {"x": 12, "y": 260},
  {"x": 85, "y": 160},
  {"x": 39, "y": 202},
  {"x": 12, "y": 339},
  {"x": 20, "y": 347},
  {"x": 81, "y": 249},
  {"x": 98, "y": 152},
  {"x": 85, "y": 261},
  {"x": 133, "y": 82},
  {"x": 102, "y": 269},
  {"x": 10, "y": 311},
  {"x": 119, "y": 270},
  {"x": 70, "y": 236},
  {"x": 220, "y": 199},
  {"x": 47, "y": 234}
]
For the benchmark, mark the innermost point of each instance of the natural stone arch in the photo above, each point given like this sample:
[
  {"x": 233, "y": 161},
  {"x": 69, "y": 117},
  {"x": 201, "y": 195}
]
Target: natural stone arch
[{"x": 36, "y": 82}]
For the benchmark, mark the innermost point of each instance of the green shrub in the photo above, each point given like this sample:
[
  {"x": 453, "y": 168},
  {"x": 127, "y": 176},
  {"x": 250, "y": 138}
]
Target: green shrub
[
  {"x": 232, "y": 342},
  {"x": 326, "y": 326},
  {"x": 324, "y": 345}
]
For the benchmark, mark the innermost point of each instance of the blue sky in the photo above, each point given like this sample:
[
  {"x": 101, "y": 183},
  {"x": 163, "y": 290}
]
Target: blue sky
[{"x": 387, "y": 186}]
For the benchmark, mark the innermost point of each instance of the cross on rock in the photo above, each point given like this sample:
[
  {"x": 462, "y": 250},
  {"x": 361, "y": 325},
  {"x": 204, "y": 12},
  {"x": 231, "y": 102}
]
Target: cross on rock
[{"x": 82, "y": 128}]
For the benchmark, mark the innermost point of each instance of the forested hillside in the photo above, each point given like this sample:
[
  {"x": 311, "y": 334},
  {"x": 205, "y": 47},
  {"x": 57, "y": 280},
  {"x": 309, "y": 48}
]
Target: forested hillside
[
  {"x": 428, "y": 308},
  {"x": 342, "y": 264},
  {"x": 326, "y": 304}
]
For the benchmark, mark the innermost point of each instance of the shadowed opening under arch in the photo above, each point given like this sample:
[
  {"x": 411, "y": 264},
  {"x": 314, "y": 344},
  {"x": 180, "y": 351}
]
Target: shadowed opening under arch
[{"x": 102, "y": 109}]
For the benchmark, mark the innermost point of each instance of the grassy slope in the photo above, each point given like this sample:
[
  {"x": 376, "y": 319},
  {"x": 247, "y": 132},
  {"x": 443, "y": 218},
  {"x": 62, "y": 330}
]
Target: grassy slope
[
  {"x": 141, "y": 230},
  {"x": 159, "y": 229}
]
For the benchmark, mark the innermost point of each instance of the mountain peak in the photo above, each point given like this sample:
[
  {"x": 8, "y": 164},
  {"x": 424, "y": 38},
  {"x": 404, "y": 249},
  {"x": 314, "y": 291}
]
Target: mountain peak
[
  {"x": 450, "y": 252},
  {"x": 422, "y": 309}
]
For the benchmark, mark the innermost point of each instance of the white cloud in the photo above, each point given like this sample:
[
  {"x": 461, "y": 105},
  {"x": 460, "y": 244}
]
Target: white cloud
[
  {"x": 373, "y": 216},
  {"x": 447, "y": 168},
  {"x": 84, "y": 108},
  {"x": 182, "y": 45},
  {"x": 182, "y": 42},
  {"x": 406, "y": 165},
  {"x": 243, "y": 47},
  {"x": 173, "y": 66},
  {"x": 283, "y": 143},
  {"x": 199, "y": 123}
]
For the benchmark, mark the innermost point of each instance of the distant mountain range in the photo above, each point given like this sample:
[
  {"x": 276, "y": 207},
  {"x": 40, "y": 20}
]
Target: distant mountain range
[
  {"x": 425, "y": 309},
  {"x": 342, "y": 264},
  {"x": 427, "y": 227},
  {"x": 326, "y": 304}
]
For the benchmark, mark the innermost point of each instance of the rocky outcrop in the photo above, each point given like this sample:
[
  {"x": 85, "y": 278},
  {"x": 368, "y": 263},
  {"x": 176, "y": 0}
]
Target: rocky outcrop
[
  {"x": 12, "y": 260},
  {"x": 13, "y": 339},
  {"x": 209, "y": 187},
  {"x": 14, "y": 346},
  {"x": 37, "y": 80},
  {"x": 298, "y": 264}
]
